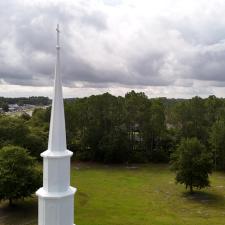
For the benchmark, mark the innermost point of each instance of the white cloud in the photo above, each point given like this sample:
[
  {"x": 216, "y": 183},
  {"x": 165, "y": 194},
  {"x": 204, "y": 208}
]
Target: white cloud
[{"x": 172, "y": 48}]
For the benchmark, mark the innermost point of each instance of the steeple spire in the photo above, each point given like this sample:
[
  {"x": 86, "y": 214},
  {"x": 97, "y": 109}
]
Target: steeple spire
[
  {"x": 56, "y": 197},
  {"x": 57, "y": 29},
  {"x": 57, "y": 133}
]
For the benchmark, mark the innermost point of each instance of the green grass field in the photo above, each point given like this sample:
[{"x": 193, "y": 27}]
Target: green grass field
[{"x": 142, "y": 195}]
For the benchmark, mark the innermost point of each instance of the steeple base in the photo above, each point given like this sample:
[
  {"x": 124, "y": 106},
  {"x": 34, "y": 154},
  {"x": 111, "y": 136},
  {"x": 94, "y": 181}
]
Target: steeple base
[{"x": 56, "y": 208}]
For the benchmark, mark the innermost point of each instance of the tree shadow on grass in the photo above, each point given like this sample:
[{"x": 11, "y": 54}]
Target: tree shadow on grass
[
  {"x": 82, "y": 198},
  {"x": 21, "y": 213},
  {"x": 206, "y": 198}
]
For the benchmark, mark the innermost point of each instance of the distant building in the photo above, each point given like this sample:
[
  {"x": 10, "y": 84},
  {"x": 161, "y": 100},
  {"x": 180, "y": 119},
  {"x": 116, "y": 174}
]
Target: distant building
[
  {"x": 28, "y": 106},
  {"x": 13, "y": 107}
]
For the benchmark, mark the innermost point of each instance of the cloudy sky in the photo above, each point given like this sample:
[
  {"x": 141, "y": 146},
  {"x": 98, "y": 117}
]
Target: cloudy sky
[{"x": 171, "y": 48}]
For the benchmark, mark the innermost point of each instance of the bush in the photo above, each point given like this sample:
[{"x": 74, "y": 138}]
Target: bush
[{"x": 19, "y": 176}]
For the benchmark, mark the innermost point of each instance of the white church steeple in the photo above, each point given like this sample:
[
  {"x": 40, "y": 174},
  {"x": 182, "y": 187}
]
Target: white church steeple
[
  {"x": 57, "y": 134},
  {"x": 56, "y": 197}
]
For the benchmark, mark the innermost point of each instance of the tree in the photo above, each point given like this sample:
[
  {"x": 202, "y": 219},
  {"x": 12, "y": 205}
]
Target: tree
[
  {"x": 5, "y": 107},
  {"x": 13, "y": 131},
  {"x": 41, "y": 118},
  {"x": 153, "y": 129},
  {"x": 114, "y": 146},
  {"x": 189, "y": 118},
  {"x": 136, "y": 106},
  {"x": 36, "y": 142},
  {"x": 217, "y": 141},
  {"x": 214, "y": 108},
  {"x": 25, "y": 116},
  {"x": 192, "y": 163},
  {"x": 19, "y": 176}
]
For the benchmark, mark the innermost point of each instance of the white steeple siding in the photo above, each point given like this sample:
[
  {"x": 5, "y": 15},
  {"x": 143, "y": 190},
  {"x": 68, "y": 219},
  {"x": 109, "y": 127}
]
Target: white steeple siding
[{"x": 56, "y": 197}]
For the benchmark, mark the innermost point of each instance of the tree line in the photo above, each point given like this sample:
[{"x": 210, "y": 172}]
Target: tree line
[
  {"x": 130, "y": 129},
  {"x": 137, "y": 129}
]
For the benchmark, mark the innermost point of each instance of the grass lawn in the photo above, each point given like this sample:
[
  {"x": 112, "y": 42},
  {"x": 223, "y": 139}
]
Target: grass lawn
[{"x": 142, "y": 195}]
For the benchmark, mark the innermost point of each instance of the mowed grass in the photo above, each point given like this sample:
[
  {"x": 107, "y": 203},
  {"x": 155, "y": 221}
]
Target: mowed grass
[{"x": 140, "y": 195}]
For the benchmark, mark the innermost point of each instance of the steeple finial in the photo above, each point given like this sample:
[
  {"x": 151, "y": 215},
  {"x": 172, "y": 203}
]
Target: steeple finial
[
  {"x": 57, "y": 28},
  {"x": 57, "y": 133},
  {"x": 58, "y": 31}
]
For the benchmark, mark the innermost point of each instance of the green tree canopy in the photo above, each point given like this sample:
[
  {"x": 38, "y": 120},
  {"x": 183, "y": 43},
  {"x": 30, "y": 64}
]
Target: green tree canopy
[
  {"x": 192, "y": 163},
  {"x": 12, "y": 131},
  {"x": 217, "y": 141},
  {"x": 19, "y": 176}
]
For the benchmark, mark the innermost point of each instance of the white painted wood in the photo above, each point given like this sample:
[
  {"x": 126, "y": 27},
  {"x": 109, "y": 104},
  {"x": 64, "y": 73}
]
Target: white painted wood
[
  {"x": 56, "y": 197},
  {"x": 57, "y": 176}
]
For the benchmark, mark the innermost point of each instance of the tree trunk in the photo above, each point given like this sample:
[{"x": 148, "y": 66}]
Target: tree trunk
[
  {"x": 215, "y": 160},
  {"x": 10, "y": 202},
  {"x": 191, "y": 189}
]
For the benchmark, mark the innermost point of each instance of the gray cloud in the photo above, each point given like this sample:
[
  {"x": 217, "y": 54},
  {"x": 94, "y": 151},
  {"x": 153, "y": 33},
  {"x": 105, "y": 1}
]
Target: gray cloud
[
  {"x": 96, "y": 19},
  {"x": 105, "y": 43}
]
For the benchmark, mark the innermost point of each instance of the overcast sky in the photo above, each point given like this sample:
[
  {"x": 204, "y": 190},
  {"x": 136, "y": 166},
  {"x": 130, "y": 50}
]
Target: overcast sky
[{"x": 171, "y": 48}]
